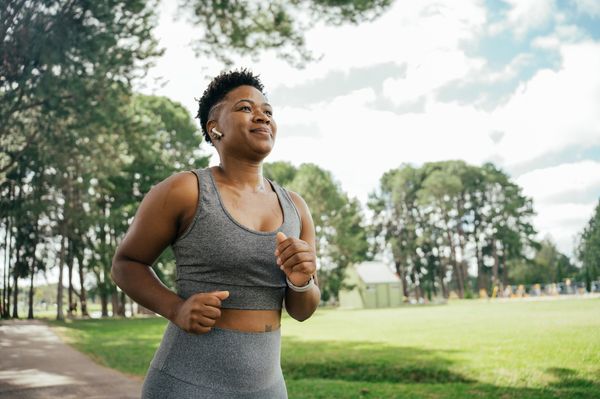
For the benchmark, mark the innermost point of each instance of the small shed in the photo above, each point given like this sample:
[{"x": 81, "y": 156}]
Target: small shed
[{"x": 375, "y": 286}]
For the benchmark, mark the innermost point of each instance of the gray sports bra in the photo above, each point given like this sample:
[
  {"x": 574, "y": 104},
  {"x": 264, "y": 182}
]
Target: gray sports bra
[{"x": 218, "y": 253}]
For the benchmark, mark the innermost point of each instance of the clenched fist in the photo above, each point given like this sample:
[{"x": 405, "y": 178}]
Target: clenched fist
[
  {"x": 296, "y": 258},
  {"x": 199, "y": 312}
]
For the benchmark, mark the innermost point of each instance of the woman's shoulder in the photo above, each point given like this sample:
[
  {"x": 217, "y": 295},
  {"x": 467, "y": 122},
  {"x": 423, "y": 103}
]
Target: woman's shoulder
[
  {"x": 299, "y": 203},
  {"x": 178, "y": 191},
  {"x": 178, "y": 183}
]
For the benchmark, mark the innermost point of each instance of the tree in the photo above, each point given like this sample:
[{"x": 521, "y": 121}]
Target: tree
[
  {"x": 439, "y": 195},
  {"x": 246, "y": 27},
  {"x": 588, "y": 250},
  {"x": 281, "y": 172},
  {"x": 63, "y": 61},
  {"x": 505, "y": 223},
  {"x": 157, "y": 138},
  {"x": 548, "y": 265},
  {"x": 439, "y": 218},
  {"x": 396, "y": 220}
]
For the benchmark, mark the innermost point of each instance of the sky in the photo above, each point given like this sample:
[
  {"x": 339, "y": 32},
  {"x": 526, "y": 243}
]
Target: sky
[{"x": 514, "y": 82}]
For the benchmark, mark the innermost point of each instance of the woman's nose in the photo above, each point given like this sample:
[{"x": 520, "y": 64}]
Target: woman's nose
[{"x": 260, "y": 116}]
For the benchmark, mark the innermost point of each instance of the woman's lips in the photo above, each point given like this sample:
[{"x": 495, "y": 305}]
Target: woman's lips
[{"x": 262, "y": 130}]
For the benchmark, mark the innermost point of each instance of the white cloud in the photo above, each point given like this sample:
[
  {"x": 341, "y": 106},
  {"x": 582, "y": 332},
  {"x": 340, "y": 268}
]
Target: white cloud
[
  {"x": 525, "y": 15},
  {"x": 562, "y": 34},
  {"x": 589, "y": 7},
  {"x": 178, "y": 74},
  {"x": 554, "y": 191},
  {"x": 545, "y": 185},
  {"x": 407, "y": 33},
  {"x": 553, "y": 110},
  {"x": 425, "y": 75},
  {"x": 563, "y": 222}
]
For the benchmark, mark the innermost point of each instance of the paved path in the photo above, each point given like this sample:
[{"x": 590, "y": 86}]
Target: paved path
[{"x": 35, "y": 363}]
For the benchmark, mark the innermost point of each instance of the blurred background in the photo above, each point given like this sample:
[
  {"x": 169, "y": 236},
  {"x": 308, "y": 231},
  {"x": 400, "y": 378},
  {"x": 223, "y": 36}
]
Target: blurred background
[
  {"x": 448, "y": 151},
  {"x": 456, "y": 144}
]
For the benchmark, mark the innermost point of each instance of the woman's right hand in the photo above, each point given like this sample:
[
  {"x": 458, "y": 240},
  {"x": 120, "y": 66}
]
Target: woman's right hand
[{"x": 199, "y": 313}]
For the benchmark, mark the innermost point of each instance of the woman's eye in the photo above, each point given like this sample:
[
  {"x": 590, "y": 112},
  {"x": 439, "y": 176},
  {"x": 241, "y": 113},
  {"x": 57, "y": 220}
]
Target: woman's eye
[
  {"x": 270, "y": 113},
  {"x": 246, "y": 108}
]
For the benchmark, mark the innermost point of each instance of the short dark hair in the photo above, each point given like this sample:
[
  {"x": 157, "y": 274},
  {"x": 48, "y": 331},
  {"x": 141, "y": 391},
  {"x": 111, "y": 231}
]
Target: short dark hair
[{"x": 218, "y": 89}]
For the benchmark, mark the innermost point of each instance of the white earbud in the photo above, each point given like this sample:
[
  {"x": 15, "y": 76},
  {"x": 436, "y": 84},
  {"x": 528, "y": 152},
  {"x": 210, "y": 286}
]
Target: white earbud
[{"x": 216, "y": 133}]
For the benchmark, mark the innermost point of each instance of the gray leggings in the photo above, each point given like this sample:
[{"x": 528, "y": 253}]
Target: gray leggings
[{"x": 219, "y": 364}]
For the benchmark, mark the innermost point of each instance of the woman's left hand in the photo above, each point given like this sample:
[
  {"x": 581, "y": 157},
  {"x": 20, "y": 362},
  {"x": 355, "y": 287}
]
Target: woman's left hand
[{"x": 296, "y": 258}]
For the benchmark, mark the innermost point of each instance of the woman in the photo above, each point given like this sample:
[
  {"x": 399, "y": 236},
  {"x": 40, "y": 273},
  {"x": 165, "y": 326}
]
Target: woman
[{"x": 243, "y": 246}]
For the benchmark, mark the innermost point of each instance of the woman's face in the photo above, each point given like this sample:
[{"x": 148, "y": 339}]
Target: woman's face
[{"x": 246, "y": 121}]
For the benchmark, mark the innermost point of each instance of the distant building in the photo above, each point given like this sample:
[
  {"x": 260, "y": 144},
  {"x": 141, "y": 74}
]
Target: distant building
[{"x": 375, "y": 286}]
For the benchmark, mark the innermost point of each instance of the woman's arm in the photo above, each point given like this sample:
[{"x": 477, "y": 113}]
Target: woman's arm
[
  {"x": 298, "y": 257},
  {"x": 155, "y": 226}
]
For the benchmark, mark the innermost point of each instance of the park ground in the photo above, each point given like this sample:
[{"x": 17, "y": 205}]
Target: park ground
[
  {"x": 476, "y": 349},
  {"x": 36, "y": 364}
]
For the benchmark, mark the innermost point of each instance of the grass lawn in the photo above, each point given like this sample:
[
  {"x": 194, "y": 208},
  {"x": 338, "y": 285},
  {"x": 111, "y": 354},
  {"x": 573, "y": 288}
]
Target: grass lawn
[{"x": 479, "y": 349}]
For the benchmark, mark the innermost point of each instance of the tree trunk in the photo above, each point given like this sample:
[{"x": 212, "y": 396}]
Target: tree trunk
[
  {"x": 432, "y": 282},
  {"x": 131, "y": 307},
  {"x": 6, "y": 270},
  {"x": 415, "y": 279},
  {"x": 114, "y": 298},
  {"x": 8, "y": 292},
  {"x": 459, "y": 280},
  {"x": 30, "y": 313},
  {"x": 122, "y": 304},
  {"x": 104, "y": 302},
  {"x": 463, "y": 264},
  {"x": 480, "y": 270},
  {"x": 59, "y": 294},
  {"x": 495, "y": 266},
  {"x": 445, "y": 292},
  {"x": 402, "y": 273},
  {"x": 588, "y": 279},
  {"x": 15, "y": 314},
  {"x": 82, "y": 296},
  {"x": 9, "y": 289},
  {"x": 33, "y": 266},
  {"x": 458, "y": 274},
  {"x": 441, "y": 276},
  {"x": 504, "y": 271},
  {"x": 72, "y": 306}
]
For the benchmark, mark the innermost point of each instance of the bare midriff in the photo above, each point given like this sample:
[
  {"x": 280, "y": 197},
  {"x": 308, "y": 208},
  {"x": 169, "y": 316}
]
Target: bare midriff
[{"x": 249, "y": 320}]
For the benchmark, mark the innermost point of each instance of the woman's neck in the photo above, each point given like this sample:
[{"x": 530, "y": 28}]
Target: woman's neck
[{"x": 243, "y": 175}]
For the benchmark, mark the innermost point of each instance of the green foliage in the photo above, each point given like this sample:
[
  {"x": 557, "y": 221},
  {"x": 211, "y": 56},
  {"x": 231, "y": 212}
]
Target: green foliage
[
  {"x": 64, "y": 62},
  {"x": 588, "y": 251},
  {"x": 70, "y": 121},
  {"x": 437, "y": 218},
  {"x": 161, "y": 138},
  {"x": 247, "y": 27},
  {"x": 549, "y": 265},
  {"x": 281, "y": 172},
  {"x": 545, "y": 349}
]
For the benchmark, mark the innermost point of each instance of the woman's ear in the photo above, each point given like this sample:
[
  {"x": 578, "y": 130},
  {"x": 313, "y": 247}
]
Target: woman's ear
[{"x": 210, "y": 125}]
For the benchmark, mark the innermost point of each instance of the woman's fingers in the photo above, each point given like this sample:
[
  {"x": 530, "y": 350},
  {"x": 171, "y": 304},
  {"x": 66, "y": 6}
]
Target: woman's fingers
[
  {"x": 211, "y": 312},
  {"x": 282, "y": 245},
  {"x": 297, "y": 258},
  {"x": 206, "y": 321},
  {"x": 291, "y": 247}
]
